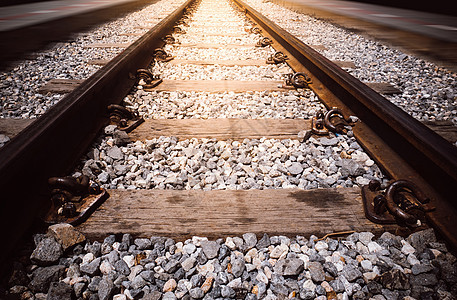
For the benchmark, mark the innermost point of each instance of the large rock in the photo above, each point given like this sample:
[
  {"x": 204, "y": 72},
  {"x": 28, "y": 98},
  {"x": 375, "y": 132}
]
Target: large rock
[
  {"x": 115, "y": 153},
  {"x": 263, "y": 242},
  {"x": 122, "y": 267},
  {"x": 42, "y": 278},
  {"x": 60, "y": 291},
  {"x": 394, "y": 280},
  {"x": 66, "y": 235},
  {"x": 47, "y": 252},
  {"x": 295, "y": 168},
  {"x": 419, "y": 240},
  {"x": 105, "y": 289},
  {"x": 142, "y": 243},
  {"x": 289, "y": 266},
  {"x": 425, "y": 279}
]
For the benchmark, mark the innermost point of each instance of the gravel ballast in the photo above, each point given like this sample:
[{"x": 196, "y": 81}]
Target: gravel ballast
[
  {"x": 250, "y": 266},
  {"x": 167, "y": 163}
]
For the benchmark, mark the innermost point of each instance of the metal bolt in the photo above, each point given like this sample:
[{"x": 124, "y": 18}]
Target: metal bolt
[{"x": 374, "y": 185}]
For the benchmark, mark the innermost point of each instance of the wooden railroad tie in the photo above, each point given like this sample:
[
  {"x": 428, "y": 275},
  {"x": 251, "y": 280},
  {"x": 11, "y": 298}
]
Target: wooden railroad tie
[
  {"x": 62, "y": 86},
  {"x": 221, "y": 129},
  {"x": 181, "y": 214}
]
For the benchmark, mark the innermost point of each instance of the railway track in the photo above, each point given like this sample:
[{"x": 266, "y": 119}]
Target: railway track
[{"x": 239, "y": 188}]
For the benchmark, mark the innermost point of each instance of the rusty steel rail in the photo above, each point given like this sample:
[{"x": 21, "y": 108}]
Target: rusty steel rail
[
  {"x": 53, "y": 144},
  {"x": 405, "y": 148}
]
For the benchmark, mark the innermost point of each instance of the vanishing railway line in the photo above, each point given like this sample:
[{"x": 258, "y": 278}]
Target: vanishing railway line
[{"x": 245, "y": 129}]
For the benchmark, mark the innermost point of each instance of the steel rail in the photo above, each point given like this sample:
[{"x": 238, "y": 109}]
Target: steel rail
[
  {"x": 401, "y": 145},
  {"x": 53, "y": 144}
]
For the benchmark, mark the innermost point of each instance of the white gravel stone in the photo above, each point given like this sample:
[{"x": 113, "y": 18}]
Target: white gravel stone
[{"x": 407, "y": 248}]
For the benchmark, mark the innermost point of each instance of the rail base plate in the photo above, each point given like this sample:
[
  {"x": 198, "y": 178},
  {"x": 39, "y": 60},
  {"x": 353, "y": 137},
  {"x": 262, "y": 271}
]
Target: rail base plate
[{"x": 84, "y": 209}]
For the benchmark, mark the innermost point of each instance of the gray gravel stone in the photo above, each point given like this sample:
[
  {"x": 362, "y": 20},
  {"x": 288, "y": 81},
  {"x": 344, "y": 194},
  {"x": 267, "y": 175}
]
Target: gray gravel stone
[
  {"x": 42, "y": 278},
  {"x": 227, "y": 292},
  {"x": 169, "y": 296},
  {"x": 196, "y": 293},
  {"x": 420, "y": 239},
  {"x": 421, "y": 268},
  {"x": 316, "y": 271},
  {"x": 47, "y": 252},
  {"x": 250, "y": 240},
  {"x": 424, "y": 279},
  {"x": 238, "y": 266},
  {"x": 59, "y": 291},
  {"x": 91, "y": 268},
  {"x": 210, "y": 248},
  {"x": 105, "y": 289},
  {"x": 188, "y": 263},
  {"x": 115, "y": 153},
  {"x": 351, "y": 273},
  {"x": 394, "y": 280},
  {"x": 330, "y": 268},
  {"x": 122, "y": 267},
  {"x": 289, "y": 266},
  {"x": 295, "y": 168}
]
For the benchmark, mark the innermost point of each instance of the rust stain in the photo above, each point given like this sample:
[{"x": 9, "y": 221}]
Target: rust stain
[
  {"x": 244, "y": 220},
  {"x": 175, "y": 199},
  {"x": 320, "y": 198}
]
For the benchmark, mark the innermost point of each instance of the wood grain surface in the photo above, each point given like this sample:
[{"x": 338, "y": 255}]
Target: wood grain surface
[{"x": 181, "y": 214}]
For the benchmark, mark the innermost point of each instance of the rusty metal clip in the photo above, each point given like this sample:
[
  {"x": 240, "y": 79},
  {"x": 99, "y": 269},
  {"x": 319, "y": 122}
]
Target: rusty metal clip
[
  {"x": 298, "y": 80},
  {"x": 249, "y": 23},
  {"x": 73, "y": 199},
  {"x": 182, "y": 22},
  {"x": 402, "y": 203},
  {"x": 170, "y": 40},
  {"x": 256, "y": 30},
  {"x": 160, "y": 55},
  {"x": 179, "y": 30},
  {"x": 147, "y": 79},
  {"x": 125, "y": 119},
  {"x": 332, "y": 121},
  {"x": 335, "y": 121},
  {"x": 266, "y": 41},
  {"x": 277, "y": 58}
]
